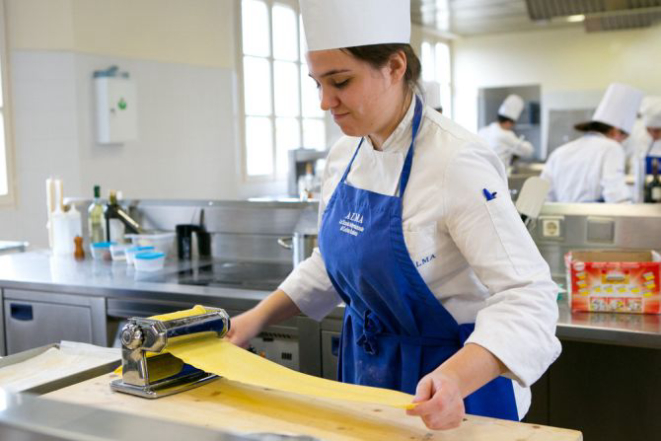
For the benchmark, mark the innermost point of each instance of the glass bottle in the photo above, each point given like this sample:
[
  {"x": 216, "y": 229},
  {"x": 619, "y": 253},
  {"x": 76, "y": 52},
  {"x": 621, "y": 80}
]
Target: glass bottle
[
  {"x": 95, "y": 218},
  {"x": 114, "y": 226},
  {"x": 653, "y": 188},
  {"x": 306, "y": 183}
]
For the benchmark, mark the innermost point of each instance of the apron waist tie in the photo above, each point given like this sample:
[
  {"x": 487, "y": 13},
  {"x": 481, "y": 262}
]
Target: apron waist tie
[{"x": 374, "y": 330}]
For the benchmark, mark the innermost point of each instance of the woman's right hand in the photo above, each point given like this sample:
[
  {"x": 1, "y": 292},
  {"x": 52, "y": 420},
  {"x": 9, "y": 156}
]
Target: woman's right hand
[
  {"x": 273, "y": 309},
  {"x": 244, "y": 327}
]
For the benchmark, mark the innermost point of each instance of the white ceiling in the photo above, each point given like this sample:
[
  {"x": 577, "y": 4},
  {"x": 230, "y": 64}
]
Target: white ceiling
[{"x": 475, "y": 17}]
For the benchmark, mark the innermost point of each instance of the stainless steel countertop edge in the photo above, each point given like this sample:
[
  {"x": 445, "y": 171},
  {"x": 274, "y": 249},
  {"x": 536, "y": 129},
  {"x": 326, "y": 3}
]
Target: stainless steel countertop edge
[{"x": 25, "y": 416}]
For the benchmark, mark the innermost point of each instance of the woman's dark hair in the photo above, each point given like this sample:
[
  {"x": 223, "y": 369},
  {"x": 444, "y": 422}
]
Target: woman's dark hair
[
  {"x": 504, "y": 119},
  {"x": 377, "y": 55},
  {"x": 593, "y": 126}
]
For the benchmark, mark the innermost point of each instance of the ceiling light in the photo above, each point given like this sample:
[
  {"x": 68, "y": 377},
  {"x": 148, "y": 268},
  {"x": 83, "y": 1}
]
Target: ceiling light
[{"x": 576, "y": 18}]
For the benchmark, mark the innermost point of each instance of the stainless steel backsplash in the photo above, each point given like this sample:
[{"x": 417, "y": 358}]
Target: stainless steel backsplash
[{"x": 240, "y": 230}]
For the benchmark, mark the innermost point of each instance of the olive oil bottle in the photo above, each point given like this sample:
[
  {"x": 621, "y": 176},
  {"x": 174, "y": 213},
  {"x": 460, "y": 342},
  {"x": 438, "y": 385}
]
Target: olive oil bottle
[{"x": 95, "y": 218}]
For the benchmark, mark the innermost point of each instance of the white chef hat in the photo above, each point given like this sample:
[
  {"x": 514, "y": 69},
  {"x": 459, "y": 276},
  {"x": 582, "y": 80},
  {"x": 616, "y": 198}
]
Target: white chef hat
[
  {"x": 511, "y": 107},
  {"x": 652, "y": 113},
  {"x": 647, "y": 102},
  {"x": 334, "y": 24},
  {"x": 432, "y": 91},
  {"x": 619, "y": 106}
]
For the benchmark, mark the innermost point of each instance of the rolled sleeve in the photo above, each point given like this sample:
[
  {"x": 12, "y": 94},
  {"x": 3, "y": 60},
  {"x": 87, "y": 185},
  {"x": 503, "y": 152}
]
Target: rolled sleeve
[
  {"x": 518, "y": 146},
  {"x": 310, "y": 288},
  {"x": 519, "y": 320}
]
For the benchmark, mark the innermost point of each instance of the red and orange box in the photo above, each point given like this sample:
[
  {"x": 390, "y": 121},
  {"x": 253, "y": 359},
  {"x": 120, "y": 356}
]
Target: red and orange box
[{"x": 614, "y": 281}]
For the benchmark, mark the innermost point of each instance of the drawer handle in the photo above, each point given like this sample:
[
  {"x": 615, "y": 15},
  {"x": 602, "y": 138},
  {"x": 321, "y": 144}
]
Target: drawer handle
[
  {"x": 335, "y": 346},
  {"x": 21, "y": 312}
]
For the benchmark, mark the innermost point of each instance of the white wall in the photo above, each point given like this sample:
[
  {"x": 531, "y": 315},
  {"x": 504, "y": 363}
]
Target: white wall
[
  {"x": 181, "y": 56},
  {"x": 199, "y": 32},
  {"x": 572, "y": 67}
]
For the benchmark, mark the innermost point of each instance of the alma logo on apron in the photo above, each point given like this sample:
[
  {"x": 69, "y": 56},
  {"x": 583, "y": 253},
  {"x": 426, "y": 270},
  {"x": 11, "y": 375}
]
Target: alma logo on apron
[{"x": 352, "y": 224}]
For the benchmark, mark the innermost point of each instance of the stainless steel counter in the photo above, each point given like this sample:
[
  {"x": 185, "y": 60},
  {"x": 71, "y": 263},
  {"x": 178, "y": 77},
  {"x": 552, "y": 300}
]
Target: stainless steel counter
[
  {"x": 41, "y": 271},
  {"x": 27, "y": 417},
  {"x": 12, "y": 247},
  {"x": 637, "y": 330}
]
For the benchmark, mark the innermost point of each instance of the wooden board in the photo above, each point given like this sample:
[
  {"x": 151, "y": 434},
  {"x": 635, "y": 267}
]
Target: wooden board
[{"x": 231, "y": 406}]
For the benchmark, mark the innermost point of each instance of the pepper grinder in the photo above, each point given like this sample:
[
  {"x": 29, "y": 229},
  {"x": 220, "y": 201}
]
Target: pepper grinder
[{"x": 78, "y": 253}]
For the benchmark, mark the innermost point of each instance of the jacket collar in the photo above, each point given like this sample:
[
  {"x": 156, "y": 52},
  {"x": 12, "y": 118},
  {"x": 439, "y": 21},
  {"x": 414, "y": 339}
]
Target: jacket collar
[{"x": 400, "y": 139}]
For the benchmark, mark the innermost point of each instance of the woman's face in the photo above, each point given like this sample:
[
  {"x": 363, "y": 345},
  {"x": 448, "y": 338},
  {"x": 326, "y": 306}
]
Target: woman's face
[
  {"x": 655, "y": 132},
  {"x": 617, "y": 134},
  {"x": 361, "y": 99}
]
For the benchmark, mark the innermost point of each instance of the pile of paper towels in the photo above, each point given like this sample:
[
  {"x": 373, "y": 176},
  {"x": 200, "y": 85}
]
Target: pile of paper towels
[{"x": 63, "y": 226}]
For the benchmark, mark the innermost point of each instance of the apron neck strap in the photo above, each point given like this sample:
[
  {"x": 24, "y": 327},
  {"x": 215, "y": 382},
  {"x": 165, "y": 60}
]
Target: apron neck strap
[
  {"x": 346, "y": 171},
  {"x": 406, "y": 170}
]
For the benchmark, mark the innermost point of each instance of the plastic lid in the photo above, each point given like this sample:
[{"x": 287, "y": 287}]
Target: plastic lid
[
  {"x": 97, "y": 191},
  {"x": 149, "y": 256},
  {"x": 142, "y": 248},
  {"x": 103, "y": 244}
]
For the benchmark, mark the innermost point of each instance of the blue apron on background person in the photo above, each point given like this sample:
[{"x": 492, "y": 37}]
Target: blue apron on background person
[{"x": 395, "y": 331}]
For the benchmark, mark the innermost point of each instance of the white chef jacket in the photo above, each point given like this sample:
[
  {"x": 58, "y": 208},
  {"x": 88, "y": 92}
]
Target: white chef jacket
[
  {"x": 505, "y": 143},
  {"x": 588, "y": 169},
  {"x": 637, "y": 144},
  {"x": 486, "y": 270},
  {"x": 637, "y": 147}
]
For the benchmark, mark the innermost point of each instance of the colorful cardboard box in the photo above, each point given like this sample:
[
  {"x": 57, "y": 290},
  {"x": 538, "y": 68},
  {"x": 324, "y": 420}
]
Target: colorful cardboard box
[{"x": 614, "y": 280}]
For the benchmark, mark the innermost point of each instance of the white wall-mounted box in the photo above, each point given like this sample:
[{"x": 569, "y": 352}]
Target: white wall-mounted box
[{"x": 116, "y": 110}]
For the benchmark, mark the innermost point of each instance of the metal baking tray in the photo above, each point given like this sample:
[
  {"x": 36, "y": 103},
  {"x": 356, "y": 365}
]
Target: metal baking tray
[{"x": 62, "y": 382}]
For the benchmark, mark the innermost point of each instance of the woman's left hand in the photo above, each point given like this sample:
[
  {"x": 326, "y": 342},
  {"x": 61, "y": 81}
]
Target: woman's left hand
[{"x": 439, "y": 401}]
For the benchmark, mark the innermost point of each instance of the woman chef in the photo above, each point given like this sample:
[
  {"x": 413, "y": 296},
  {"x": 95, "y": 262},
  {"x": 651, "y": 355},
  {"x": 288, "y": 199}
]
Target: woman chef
[
  {"x": 446, "y": 295},
  {"x": 591, "y": 168}
]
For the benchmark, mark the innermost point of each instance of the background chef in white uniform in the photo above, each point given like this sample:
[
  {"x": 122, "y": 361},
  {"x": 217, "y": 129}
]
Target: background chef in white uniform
[
  {"x": 432, "y": 95},
  {"x": 640, "y": 140},
  {"x": 460, "y": 227},
  {"x": 500, "y": 134},
  {"x": 652, "y": 122},
  {"x": 591, "y": 168},
  {"x": 645, "y": 143}
]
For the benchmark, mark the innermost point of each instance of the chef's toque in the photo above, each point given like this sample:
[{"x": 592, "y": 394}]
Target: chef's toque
[
  {"x": 652, "y": 114},
  {"x": 432, "y": 91},
  {"x": 511, "y": 107},
  {"x": 619, "y": 106},
  {"x": 334, "y": 24}
]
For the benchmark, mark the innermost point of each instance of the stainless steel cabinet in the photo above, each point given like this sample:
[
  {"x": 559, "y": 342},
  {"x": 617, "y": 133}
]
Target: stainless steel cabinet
[
  {"x": 330, "y": 346},
  {"x": 331, "y": 329},
  {"x": 36, "y": 318}
]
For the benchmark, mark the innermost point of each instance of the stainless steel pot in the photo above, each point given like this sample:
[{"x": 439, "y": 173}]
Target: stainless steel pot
[{"x": 302, "y": 245}]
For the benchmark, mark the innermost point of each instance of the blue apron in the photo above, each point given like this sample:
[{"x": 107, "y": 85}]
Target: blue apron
[{"x": 395, "y": 331}]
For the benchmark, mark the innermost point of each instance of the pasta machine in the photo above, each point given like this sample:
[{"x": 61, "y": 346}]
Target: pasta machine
[{"x": 159, "y": 373}]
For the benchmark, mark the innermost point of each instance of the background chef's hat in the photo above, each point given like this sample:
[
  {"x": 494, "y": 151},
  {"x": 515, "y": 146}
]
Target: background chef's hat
[
  {"x": 652, "y": 113},
  {"x": 432, "y": 91},
  {"x": 511, "y": 107},
  {"x": 334, "y": 24},
  {"x": 619, "y": 106}
]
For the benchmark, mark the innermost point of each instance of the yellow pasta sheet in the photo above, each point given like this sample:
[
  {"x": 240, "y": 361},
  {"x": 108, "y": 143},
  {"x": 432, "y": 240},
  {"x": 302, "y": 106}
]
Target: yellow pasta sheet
[{"x": 212, "y": 354}]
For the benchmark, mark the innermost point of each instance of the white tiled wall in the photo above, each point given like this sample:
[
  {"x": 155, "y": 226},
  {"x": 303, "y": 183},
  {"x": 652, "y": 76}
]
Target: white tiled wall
[
  {"x": 46, "y": 139},
  {"x": 187, "y": 138}
]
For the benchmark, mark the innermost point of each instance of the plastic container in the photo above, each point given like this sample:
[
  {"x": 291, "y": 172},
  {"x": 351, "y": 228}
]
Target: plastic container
[
  {"x": 118, "y": 251},
  {"x": 149, "y": 261},
  {"x": 132, "y": 251},
  {"x": 101, "y": 250},
  {"x": 66, "y": 226},
  {"x": 162, "y": 242}
]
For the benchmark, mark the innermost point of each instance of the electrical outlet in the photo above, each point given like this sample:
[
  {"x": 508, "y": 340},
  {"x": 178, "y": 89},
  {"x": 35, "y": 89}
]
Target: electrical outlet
[{"x": 551, "y": 228}]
